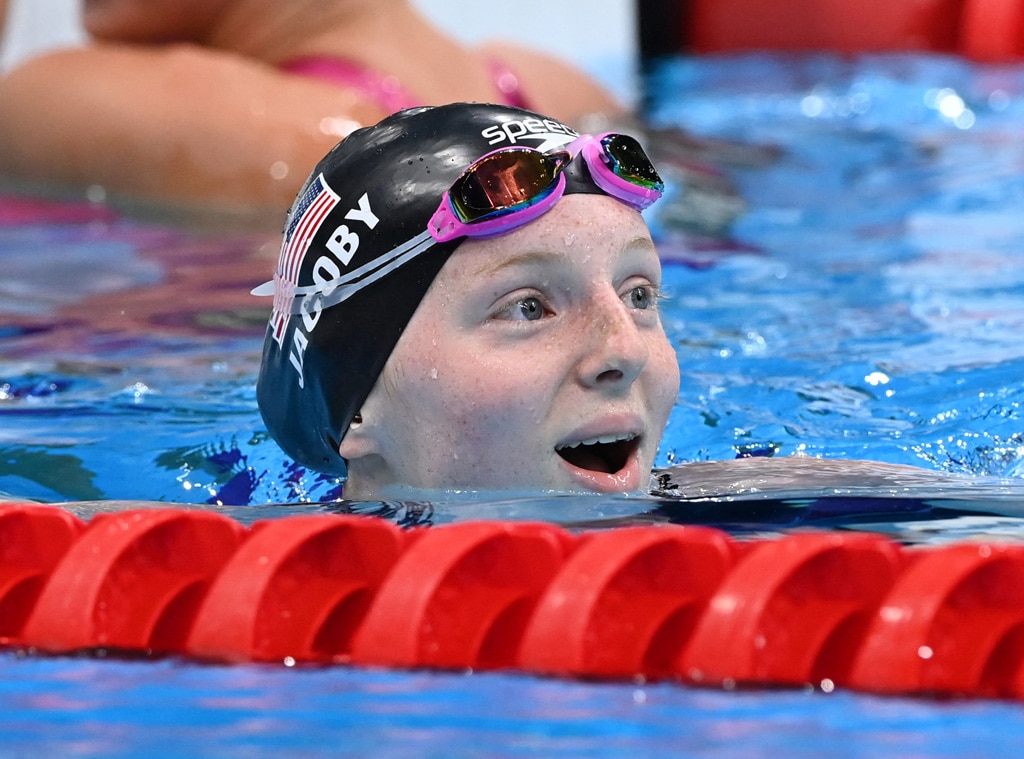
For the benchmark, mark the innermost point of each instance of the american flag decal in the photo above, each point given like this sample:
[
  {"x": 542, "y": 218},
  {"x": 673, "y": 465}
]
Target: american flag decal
[{"x": 309, "y": 213}]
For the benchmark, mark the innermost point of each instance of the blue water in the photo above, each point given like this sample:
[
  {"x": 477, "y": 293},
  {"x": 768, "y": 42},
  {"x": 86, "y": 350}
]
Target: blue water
[
  {"x": 882, "y": 318},
  {"x": 108, "y": 708},
  {"x": 868, "y": 303}
]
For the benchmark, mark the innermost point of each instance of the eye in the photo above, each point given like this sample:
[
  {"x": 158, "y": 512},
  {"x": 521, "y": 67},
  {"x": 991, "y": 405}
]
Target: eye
[
  {"x": 641, "y": 297},
  {"x": 523, "y": 309}
]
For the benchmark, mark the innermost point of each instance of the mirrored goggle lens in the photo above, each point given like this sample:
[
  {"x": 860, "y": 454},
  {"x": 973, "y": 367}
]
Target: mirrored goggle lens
[
  {"x": 504, "y": 182},
  {"x": 629, "y": 161}
]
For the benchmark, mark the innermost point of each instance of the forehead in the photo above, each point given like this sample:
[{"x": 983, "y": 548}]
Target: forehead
[{"x": 587, "y": 232}]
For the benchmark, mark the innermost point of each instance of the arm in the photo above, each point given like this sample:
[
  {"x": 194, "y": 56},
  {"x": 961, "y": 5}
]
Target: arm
[{"x": 176, "y": 125}]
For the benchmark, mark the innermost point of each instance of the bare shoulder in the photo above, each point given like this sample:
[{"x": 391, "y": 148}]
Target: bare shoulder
[
  {"x": 128, "y": 71},
  {"x": 178, "y": 123},
  {"x": 552, "y": 85},
  {"x": 99, "y": 84},
  {"x": 109, "y": 66}
]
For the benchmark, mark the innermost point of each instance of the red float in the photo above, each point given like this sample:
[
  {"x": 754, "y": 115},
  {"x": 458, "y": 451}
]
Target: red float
[
  {"x": 793, "y": 611},
  {"x": 689, "y": 603},
  {"x": 32, "y": 540},
  {"x": 132, "y": 581},
  {"x": 296, "y": 588},
  {"x": 625, "y": 601},
  {"x": 461, "y": 595},
  {"x": 951, "y": 624}
]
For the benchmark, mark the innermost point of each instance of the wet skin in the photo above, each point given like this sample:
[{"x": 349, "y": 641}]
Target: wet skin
[{"x": 536, "y": 362}]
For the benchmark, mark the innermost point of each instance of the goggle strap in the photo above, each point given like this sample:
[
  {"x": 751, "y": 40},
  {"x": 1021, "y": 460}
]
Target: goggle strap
[{"x": 344, "y": 287}]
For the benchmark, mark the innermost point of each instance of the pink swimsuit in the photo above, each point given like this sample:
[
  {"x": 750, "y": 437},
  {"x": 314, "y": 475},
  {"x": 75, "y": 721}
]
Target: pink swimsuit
[{"x": 386, "y": 90}]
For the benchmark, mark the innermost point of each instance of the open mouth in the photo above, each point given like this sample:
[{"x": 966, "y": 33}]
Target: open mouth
[{"x": 608, "y": 454}]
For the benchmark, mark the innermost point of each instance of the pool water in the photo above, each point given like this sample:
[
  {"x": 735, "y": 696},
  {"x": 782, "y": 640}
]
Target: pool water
[
  {"x": 109, "y": 708},
  {"x": 881, "y": 311},
  {"x": 868, "y": 303}
]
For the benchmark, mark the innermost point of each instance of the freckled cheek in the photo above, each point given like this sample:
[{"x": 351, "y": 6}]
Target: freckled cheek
[
  {"x": 483, "y": 401},
  {"x": 461, "y": 387},
  {"x": 663, "y": 371},
  {"x": 472, "y": 434}
]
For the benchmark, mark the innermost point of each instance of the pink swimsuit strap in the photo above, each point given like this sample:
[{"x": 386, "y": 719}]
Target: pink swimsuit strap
[{"x": 385, "y": 89}]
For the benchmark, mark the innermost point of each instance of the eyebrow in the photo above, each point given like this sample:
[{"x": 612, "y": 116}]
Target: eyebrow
[
  {"x": 535, "y": 257},
  {"x": 524, "y": 259}
]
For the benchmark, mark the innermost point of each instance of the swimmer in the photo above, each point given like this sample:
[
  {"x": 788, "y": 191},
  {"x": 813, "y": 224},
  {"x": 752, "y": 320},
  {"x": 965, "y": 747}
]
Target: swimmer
[
  {"x": 467, "y": 299},
  {"x": 226, "y": 103}
]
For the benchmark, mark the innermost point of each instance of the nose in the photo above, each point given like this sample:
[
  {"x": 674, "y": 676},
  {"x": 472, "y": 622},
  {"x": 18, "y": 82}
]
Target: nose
[{"x": 614, "y": 350}]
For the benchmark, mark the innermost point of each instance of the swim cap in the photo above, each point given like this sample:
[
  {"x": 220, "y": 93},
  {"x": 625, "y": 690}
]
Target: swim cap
[{"x": 357, "y": 259}]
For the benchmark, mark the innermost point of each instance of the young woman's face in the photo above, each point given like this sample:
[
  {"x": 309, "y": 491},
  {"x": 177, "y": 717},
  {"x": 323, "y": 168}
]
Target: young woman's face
[{"x": 536, "y": 361}]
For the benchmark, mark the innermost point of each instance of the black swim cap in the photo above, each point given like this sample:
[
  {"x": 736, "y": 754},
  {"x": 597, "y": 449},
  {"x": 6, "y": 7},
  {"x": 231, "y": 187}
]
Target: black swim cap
[{"x": 356, "y": 239}]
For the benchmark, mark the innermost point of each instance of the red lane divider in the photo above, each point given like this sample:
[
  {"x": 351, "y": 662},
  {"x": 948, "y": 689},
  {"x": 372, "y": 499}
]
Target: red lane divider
[
  {"x": 132, "y": 580},
  {"x": 792, "y": 611},
  {"x": 683, "y": 603},
  {"x": 297, "y": 588},
  {"x": 951, "y": 624},
  {"x": 461, "y": 595},
  {"x": 626, "y": 601},
  {"x": 32, "y": 540}
]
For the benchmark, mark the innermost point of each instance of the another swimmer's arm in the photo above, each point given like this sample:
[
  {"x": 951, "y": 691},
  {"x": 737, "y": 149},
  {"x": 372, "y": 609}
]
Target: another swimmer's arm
[{"x": 177, "y": 124}]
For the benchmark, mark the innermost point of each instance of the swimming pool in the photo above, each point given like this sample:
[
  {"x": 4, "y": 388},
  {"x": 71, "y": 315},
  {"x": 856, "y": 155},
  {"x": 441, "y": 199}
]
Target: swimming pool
[{"x": 868, "y": 304}]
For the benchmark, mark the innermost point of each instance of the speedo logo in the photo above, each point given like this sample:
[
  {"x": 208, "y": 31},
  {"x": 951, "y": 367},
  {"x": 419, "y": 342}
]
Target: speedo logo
[{"x": 542, "y": 134}]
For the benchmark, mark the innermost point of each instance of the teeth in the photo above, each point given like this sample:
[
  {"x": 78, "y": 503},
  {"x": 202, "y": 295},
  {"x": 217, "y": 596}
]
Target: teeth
[{"x": 602, "y": 439}]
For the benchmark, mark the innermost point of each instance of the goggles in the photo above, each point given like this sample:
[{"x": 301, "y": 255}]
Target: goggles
[
  {"x": 499, "y": 192},
  {"x": 509, "y": 187}
]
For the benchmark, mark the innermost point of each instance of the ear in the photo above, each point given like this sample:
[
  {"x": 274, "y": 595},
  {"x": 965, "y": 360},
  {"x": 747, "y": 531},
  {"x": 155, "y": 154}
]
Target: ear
[
  {"x": 368, "y": 471},
  {"x": 359, "y": 442}
]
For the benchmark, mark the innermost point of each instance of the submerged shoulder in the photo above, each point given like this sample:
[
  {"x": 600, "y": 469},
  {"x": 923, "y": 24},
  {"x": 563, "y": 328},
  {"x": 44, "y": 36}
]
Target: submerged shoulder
[{"x": 793, "y": 474}]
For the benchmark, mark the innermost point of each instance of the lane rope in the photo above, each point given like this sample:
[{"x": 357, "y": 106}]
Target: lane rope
[{"x": 665, "y": 602}]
